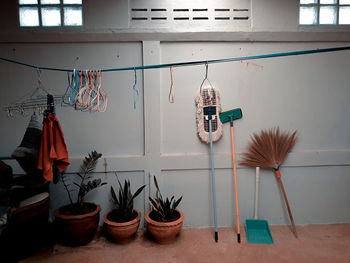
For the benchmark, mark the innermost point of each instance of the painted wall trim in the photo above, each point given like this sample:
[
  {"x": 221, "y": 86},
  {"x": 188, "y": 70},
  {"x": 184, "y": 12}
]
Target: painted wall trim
[
  {"x": 178, "y": 162},
  {"x": 121, "y": 36}
]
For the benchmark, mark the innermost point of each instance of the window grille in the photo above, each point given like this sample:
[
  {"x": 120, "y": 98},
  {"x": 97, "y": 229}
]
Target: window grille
[{"x": 50, "y": 13}]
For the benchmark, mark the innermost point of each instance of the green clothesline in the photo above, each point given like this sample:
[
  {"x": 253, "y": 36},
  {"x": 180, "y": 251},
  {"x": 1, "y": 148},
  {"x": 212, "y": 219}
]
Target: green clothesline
[{"x": 193, "y": 63}]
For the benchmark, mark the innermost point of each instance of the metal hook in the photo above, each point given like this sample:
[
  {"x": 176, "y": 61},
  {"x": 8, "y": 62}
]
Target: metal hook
[
  {"x": 22, "y": 110},
  {"x": 40, "y": 85},
  {"x": 206, "y": 77},
  {"x": 38, "y": 71},
  {"x": 206, "y": 70},
  {"x": 9, "y": 113},
  {"x": 136, "y": 92},
  {"x": 41, "y": 110},
  {"x": 171, "y": 92}
]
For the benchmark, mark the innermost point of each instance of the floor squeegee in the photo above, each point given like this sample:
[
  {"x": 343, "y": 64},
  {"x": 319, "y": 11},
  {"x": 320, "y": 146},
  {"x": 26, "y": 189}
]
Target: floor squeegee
[{"x": 230, "y": 116}]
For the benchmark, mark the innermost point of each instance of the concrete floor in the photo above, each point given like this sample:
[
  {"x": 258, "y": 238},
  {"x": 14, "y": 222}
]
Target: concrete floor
[{"x": 316, "y": 243}]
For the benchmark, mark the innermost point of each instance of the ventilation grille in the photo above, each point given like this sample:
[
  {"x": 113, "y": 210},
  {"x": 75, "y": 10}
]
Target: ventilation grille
[{"x": 180, "y": 14}]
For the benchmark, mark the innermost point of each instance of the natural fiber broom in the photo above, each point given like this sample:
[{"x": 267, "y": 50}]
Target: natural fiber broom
[{"x": 268, "y": 150}]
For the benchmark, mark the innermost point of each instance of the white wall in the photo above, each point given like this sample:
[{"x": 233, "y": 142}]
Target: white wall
[
  {"x": 308, "y": 93},
  {"x": 110, "y": 20}
]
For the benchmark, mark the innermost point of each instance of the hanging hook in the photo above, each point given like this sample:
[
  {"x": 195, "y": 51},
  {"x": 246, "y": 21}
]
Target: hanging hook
[
  {"x": 206, "y": 70},
  {"x": 206, "y": 77},
  {"x": 136, "y": 92},
  {"x": 38, "y": 71},
  {"x": 66, "y": 95},
  {"x": 40, "y": 84},
  {"x": 22, "y": 111},
  {"x": 41, "y": 110},
  {"x": 172, "y": 90},
  {"x": 35, "y": 109}
]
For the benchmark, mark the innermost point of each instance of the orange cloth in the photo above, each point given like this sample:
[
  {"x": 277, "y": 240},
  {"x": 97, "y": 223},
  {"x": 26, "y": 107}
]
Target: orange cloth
[{"x": 53, "y": 149}]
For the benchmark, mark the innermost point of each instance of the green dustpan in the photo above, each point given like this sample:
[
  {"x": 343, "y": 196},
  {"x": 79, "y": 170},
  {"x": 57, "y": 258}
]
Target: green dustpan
[{"x": 258, "y": 230}]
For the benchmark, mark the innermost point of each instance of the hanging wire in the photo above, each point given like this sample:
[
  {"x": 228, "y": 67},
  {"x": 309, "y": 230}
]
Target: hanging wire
[
  {"x": 206, "y": 78},
  {"x": 136, "y": 92},
  {"x": 172, "y": 89},
  {"x": 40, "y": 84},
  {"x": 194, "y": 63}
]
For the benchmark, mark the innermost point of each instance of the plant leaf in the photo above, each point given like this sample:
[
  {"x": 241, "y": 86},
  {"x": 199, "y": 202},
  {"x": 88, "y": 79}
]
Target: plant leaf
[
  {"x": 153, "y": 203},
  {"x": 114, "y": 196},
  {"x": 120, "y": 185},
  {"x": 177, "y": 203},
  {"x": 156, "y": 184},
  {"x": 126, "y": 191},
  {"x": 138, "y": 191}
]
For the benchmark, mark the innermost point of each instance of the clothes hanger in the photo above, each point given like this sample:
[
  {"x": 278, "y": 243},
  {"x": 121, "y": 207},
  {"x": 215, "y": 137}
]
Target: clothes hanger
[{"x": 30, "y": 101}]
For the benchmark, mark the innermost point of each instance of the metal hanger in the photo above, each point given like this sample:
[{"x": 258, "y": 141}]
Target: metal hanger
[{"x": 25, "y": 104}]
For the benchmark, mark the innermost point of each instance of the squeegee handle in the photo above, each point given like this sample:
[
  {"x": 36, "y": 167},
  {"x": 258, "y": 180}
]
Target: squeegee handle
[
  {"x": 213, "y": 180},
  {"x": 235, "y": 180},
  {"x": 287, "y": 203}
]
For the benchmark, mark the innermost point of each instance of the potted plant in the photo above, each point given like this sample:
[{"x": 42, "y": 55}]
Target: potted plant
[
  {"x": 77, "y": 222},
  {"x": 123, "y": 221},
  {"x": 164, "y": 221}
]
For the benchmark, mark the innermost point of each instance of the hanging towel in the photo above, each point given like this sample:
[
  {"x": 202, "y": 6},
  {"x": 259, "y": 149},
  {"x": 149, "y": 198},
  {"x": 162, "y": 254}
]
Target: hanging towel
[{"x": 53, "y": 149}]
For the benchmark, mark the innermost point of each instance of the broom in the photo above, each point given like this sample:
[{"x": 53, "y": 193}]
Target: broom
[{"x": 268, "y": 150}]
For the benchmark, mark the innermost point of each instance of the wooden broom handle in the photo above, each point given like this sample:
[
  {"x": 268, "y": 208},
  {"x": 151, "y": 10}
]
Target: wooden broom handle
[
  {"x": 235, "y": 179},
  {"x": 278, "y": 175}
]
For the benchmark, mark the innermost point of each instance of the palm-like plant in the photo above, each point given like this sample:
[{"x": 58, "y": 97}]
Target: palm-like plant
[
  {"x": 86, "y": 169},
  {"x": 163, "y": 210},
  {"x": 124, "y": 202}
]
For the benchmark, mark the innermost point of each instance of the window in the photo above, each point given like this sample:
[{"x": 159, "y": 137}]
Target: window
[
  {"x": 324, "y": 12},
  {"x": 50, "y": 13}
]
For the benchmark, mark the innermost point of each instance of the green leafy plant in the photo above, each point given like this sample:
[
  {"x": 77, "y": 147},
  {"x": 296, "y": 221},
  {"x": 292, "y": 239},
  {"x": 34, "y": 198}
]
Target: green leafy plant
[
  {"x": 87, "y": 167},
  {"x": 163, "y": 210},
  {"x": 124, "y": 202}
]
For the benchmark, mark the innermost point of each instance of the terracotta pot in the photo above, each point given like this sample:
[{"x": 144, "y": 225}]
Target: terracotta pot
[
  {"x": 28, "y": 230},
  {"x": 164, "y": 232},
  {"x": 76, "y": 230},
  {"x": 122, "y": 232},
  {"x": 33, "y": 208}
]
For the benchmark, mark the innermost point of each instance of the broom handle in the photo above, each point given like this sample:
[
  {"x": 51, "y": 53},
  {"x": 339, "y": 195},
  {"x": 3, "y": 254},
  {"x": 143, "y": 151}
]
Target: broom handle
[
  {"x": 257, "y": 181},
  {"x": 278, "y": 175},
  {"x": 235, "y": 181}
]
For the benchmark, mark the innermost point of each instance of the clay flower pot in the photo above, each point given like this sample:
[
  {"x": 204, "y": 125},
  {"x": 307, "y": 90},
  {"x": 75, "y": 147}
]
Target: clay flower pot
[
  {"x": 164, "y": 232},
  {"x": 77, "y": 230},
  {"x": 122, "y": 232}
]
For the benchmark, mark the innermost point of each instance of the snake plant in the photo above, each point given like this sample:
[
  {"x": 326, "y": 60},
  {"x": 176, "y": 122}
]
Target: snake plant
[
  {"x": 164, "y": 210},
  {"x": 124, "y": 202}
]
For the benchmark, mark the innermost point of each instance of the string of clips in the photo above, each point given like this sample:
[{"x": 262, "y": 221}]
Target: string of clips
[{"x": 85, "y": 93}]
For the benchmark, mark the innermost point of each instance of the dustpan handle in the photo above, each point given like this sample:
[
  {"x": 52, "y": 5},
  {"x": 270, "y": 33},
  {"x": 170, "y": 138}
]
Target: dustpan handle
[{"x": 257, "y": 181}]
